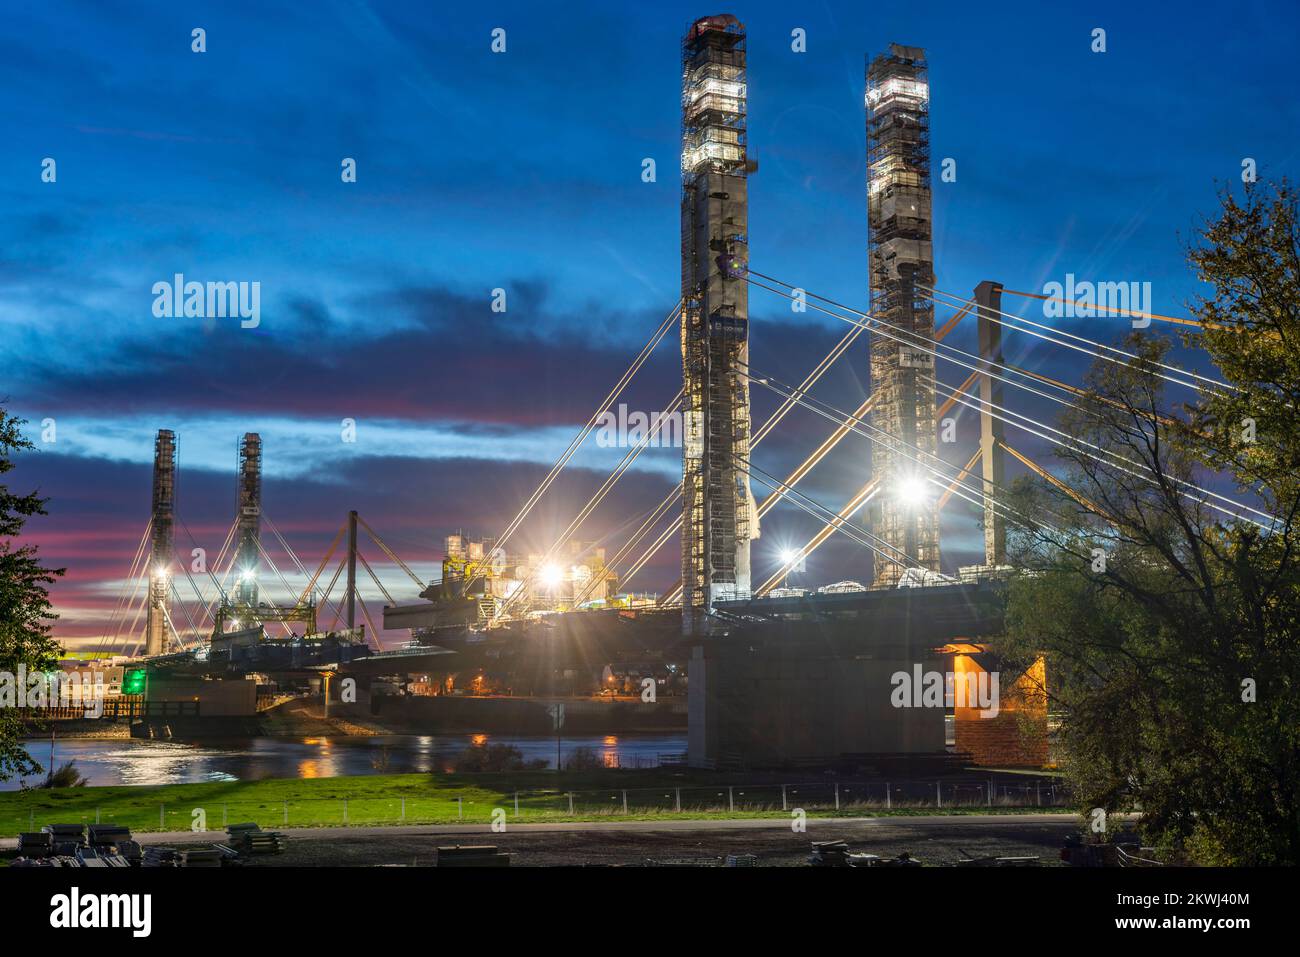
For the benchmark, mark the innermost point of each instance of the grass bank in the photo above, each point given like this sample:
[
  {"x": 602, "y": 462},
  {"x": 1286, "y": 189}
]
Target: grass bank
[{"x": 448, "y": 799}]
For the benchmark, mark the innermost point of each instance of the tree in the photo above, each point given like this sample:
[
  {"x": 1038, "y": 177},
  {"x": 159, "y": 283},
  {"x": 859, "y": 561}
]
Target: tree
[
  {"x": 25, "y": 611},
  {"x": 1169, "y": 615}
]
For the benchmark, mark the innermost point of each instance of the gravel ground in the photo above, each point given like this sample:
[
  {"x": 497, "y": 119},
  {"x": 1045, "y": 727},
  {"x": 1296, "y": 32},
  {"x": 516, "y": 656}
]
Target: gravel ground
[{"x": 931, "y": 843}]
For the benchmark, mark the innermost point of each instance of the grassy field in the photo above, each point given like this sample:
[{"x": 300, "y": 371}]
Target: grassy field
[{"x": 448, "y": 799}]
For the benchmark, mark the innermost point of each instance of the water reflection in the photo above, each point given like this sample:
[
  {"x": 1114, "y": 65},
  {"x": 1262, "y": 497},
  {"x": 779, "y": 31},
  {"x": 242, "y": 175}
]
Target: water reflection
[{"x": 167, "y": 762}]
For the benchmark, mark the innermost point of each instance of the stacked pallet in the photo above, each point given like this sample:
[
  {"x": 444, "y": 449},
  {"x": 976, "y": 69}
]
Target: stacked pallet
[
  {"x": 682, "y": 862},
  {"x": 84, "y": 857},
  {"x": 66, "y": 832},
  {"x": 131, "y": 851},
  {"x": 108, "y": 835},
  {"x": 201, "y": 857},
  {"x": 829, "y": 854},
  {"x": 229, "y": 856},
  {"x": 67, "y": 837},
  {"x": 263, "y": 842},
  {"x": 251, "y": 839},
  {"x": 160, "y": 857},
  {"x": 68, "y": 845},
  {"x": 994, "y": 861},
  {"x": 90, "y": 857},
  {"x": 472, "y": 855},
  {"x": 51, "y": 861},
  {"x": 837, "y": 854},
  {"x": 36, "y": 844}
]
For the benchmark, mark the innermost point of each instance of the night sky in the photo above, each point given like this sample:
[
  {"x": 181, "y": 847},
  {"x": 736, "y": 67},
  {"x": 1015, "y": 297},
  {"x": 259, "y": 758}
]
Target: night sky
[{"x": 522, "y": 171}]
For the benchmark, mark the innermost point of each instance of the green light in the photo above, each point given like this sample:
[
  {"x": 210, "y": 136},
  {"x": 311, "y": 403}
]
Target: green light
[{"x": 133, "y": 681}]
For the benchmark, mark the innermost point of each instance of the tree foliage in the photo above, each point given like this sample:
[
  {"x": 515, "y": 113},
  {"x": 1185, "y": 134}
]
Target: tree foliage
[
  {"x": 1170, "y": 616},
  {"x": 25, "y": 612}
]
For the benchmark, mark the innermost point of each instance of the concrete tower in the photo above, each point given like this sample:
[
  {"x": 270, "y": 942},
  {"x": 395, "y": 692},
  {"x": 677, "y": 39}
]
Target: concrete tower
[
  {"x": 248, "y": 533},
  {"x": 901, "y": 258},
  {"x": 162, "y": 553},
  {"x": 719, "y": 515}
]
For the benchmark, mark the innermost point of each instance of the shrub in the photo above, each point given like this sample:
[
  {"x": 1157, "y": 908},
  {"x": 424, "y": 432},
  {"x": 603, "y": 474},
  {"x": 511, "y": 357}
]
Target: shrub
[
  {"x": 495, "y": 757},
  {"x": 66, "y": 776},
  {"x": 583, "y": 759}
]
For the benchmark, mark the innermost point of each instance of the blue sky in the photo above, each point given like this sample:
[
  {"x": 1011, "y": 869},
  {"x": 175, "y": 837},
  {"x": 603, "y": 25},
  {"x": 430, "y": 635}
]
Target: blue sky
[{"x": 522, "y": 171}]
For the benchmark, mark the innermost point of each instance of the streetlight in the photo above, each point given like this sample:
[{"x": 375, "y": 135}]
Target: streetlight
[
  {"x": 792, "y": 560},
  {"x": 551, "y": 576},
  {"x": 912, "y": 490}
]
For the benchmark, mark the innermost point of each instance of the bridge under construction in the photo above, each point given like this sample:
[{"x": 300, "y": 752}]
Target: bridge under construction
[{"x": 763, "y": 659}]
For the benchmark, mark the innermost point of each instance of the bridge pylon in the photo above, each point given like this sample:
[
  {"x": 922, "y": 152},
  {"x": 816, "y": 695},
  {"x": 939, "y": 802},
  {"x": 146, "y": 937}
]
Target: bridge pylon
[
  {"x": 162, "y": 544},
  {"x": 719, "y": 517},
  {"x": 900, "y": 259}
]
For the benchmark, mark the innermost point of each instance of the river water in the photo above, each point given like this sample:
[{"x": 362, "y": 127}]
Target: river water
[{"x": 128, "y": 761}]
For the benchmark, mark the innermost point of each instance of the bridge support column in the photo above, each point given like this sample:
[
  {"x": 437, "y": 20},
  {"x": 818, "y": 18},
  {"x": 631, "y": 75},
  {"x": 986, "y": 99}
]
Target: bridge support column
[
  {"x": 352, "y": 570},
  {"x": 988, "y": 300}
]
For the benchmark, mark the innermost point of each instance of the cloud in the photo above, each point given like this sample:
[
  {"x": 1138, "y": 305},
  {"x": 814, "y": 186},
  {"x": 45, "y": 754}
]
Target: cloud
[{"x": 315, "y": 449}]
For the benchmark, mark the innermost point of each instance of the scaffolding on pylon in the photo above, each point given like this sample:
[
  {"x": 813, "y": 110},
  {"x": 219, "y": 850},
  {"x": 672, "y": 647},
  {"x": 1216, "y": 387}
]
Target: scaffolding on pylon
[{"x": 901, "y": 258}]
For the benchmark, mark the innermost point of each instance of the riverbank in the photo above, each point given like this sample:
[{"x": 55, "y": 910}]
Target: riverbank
[
  {"x": 293, "y": 719},
  {"x": 306, "y": 717},
  {"x": 83, "y": 729}
]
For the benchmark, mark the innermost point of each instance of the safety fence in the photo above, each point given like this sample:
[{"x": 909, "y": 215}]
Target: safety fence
[{"x": 474, "y": 805}]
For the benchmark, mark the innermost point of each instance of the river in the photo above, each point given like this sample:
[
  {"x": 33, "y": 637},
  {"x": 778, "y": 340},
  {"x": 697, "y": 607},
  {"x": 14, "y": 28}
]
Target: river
[{"x": 128, "y": 761}]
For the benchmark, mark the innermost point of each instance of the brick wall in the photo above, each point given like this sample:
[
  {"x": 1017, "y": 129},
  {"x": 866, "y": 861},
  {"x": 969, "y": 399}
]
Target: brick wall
[{"x": 1017, "y": 736}]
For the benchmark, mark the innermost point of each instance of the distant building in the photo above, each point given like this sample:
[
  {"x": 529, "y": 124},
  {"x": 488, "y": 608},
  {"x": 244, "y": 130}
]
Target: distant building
[
  {"x": 488, "y": 581},
  {"x": 89, "y": 673},
  {"x": 628, "y": 677}
]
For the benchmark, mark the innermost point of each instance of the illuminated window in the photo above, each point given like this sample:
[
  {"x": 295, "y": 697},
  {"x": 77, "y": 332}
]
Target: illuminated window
[
  {"x": 724, "y": 88},
  {"x": 898, "y": 87}
]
